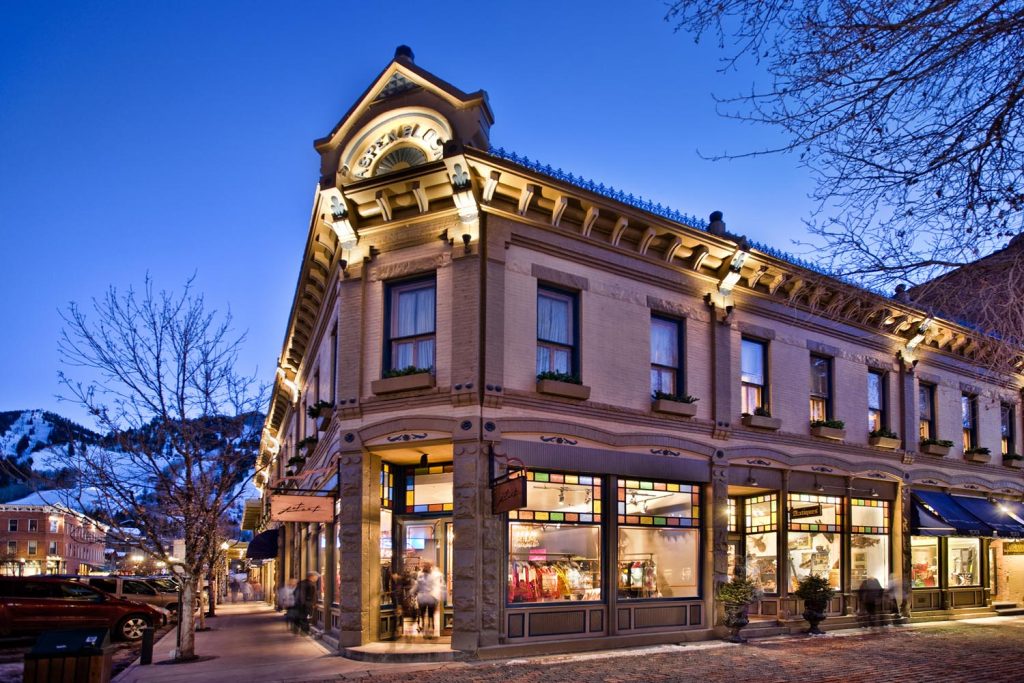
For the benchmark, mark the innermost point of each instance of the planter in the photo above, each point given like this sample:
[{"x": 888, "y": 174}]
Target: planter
[
  {"x": 1014, "y": 463},
  {"x": 814, "y": 613},
  {"x": 563, "y": 389},
  {"x": 735, "y": 620},
  {"x": 761, "y": 422},
  {"x": 391, "y": 385},
  {"x": 935, "y": 449},
  {"x": 884, "y": 442},
  {"x": 664, "y": 405},
  {"x": 323, "y": 419},
  {"x": 978, "y": 457},
  {"x": 829, "y": 433}
]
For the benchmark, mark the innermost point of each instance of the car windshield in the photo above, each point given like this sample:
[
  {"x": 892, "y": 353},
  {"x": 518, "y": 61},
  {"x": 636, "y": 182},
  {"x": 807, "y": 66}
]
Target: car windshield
[{"x": 164, "y": 585}]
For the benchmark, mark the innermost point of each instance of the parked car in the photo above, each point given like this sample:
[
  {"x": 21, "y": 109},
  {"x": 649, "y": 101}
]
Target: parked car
[
  {"x": 137, "y": 588},
  {"x": 30, "y": 604}
]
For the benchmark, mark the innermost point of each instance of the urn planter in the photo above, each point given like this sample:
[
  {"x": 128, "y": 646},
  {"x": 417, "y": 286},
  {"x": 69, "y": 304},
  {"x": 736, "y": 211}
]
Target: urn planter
[
  {"x": 735, "y": 619},
  {"x": 829, "y": 433},
  {"x": 935, "y": 449},
  {"x": 664, "y": 405},
  {"x": 554, "y": 387},
  {"x": 814, "y": 613},
  {"x": 762, "y": 422},
  {"x": 391, "y": 385},
  {"x": 884, "y": 442}
]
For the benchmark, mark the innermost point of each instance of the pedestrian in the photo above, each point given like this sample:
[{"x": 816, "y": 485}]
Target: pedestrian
[
  {"x": 246, "y": 591},
  {"x": 428, "y": 594},
  {"x": 870, "y": 594},
  {"x": 399, "y": 586},
  {"x": 892, "y": 606},
  {"x": 305, "y": 599},
  {"x": 257, "y": 590},
  {"x": 234, "y": 587},
  {"x": 286, "y": 602}
]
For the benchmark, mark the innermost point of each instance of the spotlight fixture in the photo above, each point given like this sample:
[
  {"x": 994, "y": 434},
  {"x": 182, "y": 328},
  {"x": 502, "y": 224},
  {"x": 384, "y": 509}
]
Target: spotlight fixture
[
  {"x": 873, "y": 493},
  {"x": 818, "y": 487},
  {"x": 750, "y": 477},
  {"x": 423, "y": 460}
]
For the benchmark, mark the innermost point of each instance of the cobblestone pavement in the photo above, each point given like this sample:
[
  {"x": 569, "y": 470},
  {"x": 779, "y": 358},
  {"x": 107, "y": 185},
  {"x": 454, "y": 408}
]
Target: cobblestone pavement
[{"x": 977, "y": 651}]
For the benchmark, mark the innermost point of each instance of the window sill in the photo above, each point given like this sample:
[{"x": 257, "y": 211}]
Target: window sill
[
  {"x": 762, "y": 422},
  {"x": 884, "y": 442},
  {"x": 935, "y": 449},
  {"x": 664, "y": 405},
  {"x": 829, "y": 433},
  {"x": 553, "y": 387},
  {"x": 391, "y": 385}
]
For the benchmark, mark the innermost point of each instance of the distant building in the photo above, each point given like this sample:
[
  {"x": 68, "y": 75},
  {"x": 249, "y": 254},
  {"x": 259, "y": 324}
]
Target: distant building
[{"x": 48, "y": 539}]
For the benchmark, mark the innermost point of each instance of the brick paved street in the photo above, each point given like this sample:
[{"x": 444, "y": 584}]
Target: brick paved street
[{"x": 977, "y": 652}]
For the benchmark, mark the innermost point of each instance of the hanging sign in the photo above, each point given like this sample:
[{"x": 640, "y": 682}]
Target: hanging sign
[
  {"x": 508, "y": 493},
  {"x": 808, "y": 511},
  {"x": 302, "y": 508},
  {"x": 1013, "y": 548}
]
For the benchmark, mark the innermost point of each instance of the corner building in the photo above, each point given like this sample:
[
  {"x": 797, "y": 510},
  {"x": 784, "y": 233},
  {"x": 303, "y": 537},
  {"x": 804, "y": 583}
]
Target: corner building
[{"x": 462, "y": 312}]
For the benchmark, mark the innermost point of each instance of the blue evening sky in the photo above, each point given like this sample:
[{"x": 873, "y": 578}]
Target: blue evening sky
[{"x": 176, "y": 138}]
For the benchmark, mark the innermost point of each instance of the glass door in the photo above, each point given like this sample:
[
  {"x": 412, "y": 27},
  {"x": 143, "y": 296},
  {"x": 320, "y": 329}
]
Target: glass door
[{"x": 426, "y": 573}]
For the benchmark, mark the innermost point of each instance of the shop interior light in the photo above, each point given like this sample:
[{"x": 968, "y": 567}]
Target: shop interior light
[{"x": 873, "y": 493}]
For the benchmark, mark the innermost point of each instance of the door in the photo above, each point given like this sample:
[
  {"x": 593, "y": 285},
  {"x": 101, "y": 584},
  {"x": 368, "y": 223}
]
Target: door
[{"x": 429, "y": 542}]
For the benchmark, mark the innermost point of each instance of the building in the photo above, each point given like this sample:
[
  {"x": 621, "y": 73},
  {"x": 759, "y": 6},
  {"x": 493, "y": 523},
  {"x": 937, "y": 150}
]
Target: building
[
  {"x": 49, "y": 539},
  {"x": 679, "y": 401}
]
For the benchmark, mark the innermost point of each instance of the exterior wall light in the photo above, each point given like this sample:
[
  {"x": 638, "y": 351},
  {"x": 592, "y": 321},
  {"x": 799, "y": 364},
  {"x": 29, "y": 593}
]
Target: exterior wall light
[{"x": 730, "y": 274}]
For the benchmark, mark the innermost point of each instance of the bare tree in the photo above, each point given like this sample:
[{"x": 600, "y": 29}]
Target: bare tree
[
  {"x": 183, "y": 426},
  {"x": 907, "y": 112}
]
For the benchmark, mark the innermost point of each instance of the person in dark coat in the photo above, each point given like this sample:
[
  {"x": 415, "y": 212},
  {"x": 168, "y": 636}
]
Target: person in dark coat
[
  {"x": 305, "y": 599},
  {"x": 870, "y": 593}
]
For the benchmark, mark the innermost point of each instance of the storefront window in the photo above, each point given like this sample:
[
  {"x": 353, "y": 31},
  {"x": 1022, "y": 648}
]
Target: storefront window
[
  {"x": 815, "y": 538},
  {"x": 962, "y": 562},
  {"x": 761, "y": 523},
  {"x": 322, "y": 559},
  {"x": 924, "y": 561},
  {"x": 869, "y": 544},
  {"x": 336, "y": 598},
  {"x": 658, "y": 546},
  {"x": 429, "y": 489},
  {"x": 386, "y": 553},
  {"x": 555, "y": 545},
  {"x": 733, "y": 520}
]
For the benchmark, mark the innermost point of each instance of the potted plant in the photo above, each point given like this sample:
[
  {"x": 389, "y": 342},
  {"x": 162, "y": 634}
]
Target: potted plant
[
  {"x": 562, "y": 384},
  {"x": 320, "y": 413},
  {"x": 1014, "y": 460},
  {"x": 674, "y": 404},
  {"x": 403, "y": 379},
  {"x": 307, "y": 445},
  {"x": 737, "y": 595},
  {"x": 815, "y": 591},
  {"x": 761, "y": 419},
  {"x": 939, "y": 447},
  {"x": 829, "y": 429},
  {"x": 884, "y": 438},
  {"x": 979, "y": 454}
]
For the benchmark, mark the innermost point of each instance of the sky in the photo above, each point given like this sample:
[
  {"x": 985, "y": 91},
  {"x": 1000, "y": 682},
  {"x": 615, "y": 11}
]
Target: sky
[{"x": 175, "y": 139}]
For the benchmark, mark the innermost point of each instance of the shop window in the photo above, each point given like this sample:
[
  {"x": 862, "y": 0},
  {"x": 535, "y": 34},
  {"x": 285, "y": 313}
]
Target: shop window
[
  {"x": 666, "y": 356},
  {"x": 753, "y": 375},
  {"x": 969, "y": 412},
  {"x": 924, "y": 562},
  {"x": 556, "y": 332},
  {"x": 411, "y": 327},
  {"x": 322, "y": 560},
  {"x": 1006, "y": 428},
  {"x": 387, "y": 486},
  {"x": 761, "y": 524},
  {"x": 962, "y": 561},
  {"x": 821, "y": 388},
  {"x": 926, "y": 410},
  {"x": 877, "y": 419},
  {"x": 658, "y": 545},
  {"x": 429, "y": 489},
  {"x": 732, "y": 511},
  {"x": 555, "y": 545},
  {"x": 815, "y": 537},
  {"x": 869, "y": 544}
]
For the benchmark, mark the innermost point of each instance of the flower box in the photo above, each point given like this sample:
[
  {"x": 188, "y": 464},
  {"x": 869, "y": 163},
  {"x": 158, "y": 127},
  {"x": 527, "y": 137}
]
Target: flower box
[
  {"x": 884, "y": 442},
  {"x": 829, "y": 433},
  {"x": 323, "y": 419},
  {"x": 1015, "y": 463},
  {"x": 935, "y": 449},
  {"x": 391, "y": 385},
  {"x": 977, "y": 456},
  {"x": 761, "y": 422},
  {"x": 554, "y": 387},
  {"x": 664, "y": 405}
]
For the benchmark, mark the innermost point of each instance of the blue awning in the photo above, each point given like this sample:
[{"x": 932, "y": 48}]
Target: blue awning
[
  {"x": 263, "y": 546},
  {"x": 991, "y": 513},
  {"x": 924, "y": 523},
  {"x": 953, "y": 514}
]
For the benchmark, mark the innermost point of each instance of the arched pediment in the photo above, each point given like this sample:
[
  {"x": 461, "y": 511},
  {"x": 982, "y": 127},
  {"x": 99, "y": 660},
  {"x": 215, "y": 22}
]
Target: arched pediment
[{"x": 393, "y": 141}]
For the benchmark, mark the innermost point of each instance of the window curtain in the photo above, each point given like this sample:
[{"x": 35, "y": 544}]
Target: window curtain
[
  {"x": 752, "y": 362},
  {"x": 664, "y": 343},
  {"x": 415, "y": 313},
  {"x": 553, "y": 322}
]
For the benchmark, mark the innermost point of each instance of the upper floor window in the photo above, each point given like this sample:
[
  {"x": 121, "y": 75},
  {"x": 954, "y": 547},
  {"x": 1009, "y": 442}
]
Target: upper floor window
[
  {"x": 753, "y": 375},
  {"x": 411, "y": 327},
  {"x": 53, "y": 526},
  {"x": 969, "y": 411},
  {"x": 666, "y": 356},
  {"x": 876, "y": 401},
  {"x": 926, "y": 410},
  {"x": 821, "y": 388},
  {"x": 53, "y": 548},
  {"x": 33, "y": 547},
  {"x": 556, "y": 333},
  {"x": 1006, "y": 424},
  {"x": 12, "y": 525},
  {"x": 12, "y": 547},
  {"x": 33, "y": 525}
]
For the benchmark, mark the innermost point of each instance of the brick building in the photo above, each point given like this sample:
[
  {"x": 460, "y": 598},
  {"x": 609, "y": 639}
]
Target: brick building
[
  {"x": 49, "y": 539},
  {"x": 461, "y": 311}
]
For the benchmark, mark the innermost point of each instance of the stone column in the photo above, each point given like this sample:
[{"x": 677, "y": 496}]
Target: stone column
[
  {"x": 468, "y": 564},
  {"x": 909, "y": 410},
  {"x": 901, "y": 522},
  {"x": 718, "y": 528},
  {"x": 845, "y": 553},
  {"x": 359, "y": 522},
  {"x": 724, "y": 383},
  {"x": 783, "y": 561}
]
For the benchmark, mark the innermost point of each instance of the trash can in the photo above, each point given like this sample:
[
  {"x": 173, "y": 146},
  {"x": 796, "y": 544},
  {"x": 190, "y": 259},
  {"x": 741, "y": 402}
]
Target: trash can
[{"x": 81, "y": 655}]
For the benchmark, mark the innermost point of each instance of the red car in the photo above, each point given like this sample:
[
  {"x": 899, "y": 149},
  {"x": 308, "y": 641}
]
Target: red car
[{"x": 31, "y": 604}]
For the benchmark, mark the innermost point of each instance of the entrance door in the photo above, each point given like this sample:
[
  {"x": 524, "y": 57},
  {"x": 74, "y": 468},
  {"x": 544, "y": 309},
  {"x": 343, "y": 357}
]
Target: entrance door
[{"x": 427, "y": 542}]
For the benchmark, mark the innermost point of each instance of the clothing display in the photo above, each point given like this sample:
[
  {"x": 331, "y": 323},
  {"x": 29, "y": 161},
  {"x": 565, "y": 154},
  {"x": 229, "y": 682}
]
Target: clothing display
[
  {"x": 550, "y": 578},
  {"x": 638, "y": 578}
]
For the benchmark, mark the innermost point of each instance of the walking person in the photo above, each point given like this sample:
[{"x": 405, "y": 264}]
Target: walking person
[
  {"x": 234, "y": 587},
  {"x": 428, "y": 594},
  {"x": 246, "y": 591},
  {"x": 870, "y": 593},
  {"x": 305, "y": 599},
  {"x": 286, "y": 603}
]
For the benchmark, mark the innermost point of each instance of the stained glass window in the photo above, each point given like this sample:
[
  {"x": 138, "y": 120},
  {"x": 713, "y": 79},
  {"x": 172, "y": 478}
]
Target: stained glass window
[
  {"x": 809, "y": 512},
  {"x": 429, "y": 489},
  {"x": 555, "y": 497},
  {"x": 655, "y": 503},
  {"x": 762, "y": 513},
  {"x": 387, "y": 486}
]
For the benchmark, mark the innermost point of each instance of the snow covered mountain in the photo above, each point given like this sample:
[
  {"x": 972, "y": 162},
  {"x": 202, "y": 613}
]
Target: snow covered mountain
[{"x": 23, "y": 432}]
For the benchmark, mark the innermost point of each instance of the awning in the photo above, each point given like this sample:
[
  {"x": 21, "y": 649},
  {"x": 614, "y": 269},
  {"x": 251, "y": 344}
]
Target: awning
[
  {"x": 952, "y": 514},
  {"x": 923, "y": 523},
  {"x": 993, "y": 515},
  {"x": 263, "y": 546}
]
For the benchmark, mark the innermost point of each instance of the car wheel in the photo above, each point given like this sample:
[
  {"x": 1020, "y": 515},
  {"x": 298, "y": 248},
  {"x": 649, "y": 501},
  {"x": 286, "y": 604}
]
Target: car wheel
[{"x": 131, "y": 627}]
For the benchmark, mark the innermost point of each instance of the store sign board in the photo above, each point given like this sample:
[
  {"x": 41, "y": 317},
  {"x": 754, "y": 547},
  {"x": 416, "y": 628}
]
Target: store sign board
[
  {"x": 808, "y": 511},
  {"x": 301, "y": 508},
  {"x": 1013, "y": 548},
  {"x": 508, "y": 494}
]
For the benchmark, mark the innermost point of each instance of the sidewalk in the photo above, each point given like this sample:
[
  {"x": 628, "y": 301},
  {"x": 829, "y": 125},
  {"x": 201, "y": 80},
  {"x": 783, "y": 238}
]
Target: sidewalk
[{"x": 249, "y": 642}]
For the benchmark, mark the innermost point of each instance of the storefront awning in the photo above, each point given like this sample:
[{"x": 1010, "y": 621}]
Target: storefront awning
[
  {"x": 941, "y": 508},
  {"x": 263, "y": 546},
  {"x": 992, "y": 514},
  {"x": 923, "y": 523}
]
